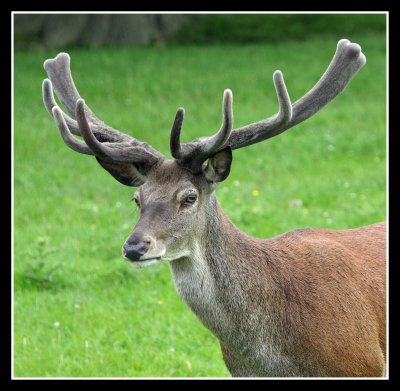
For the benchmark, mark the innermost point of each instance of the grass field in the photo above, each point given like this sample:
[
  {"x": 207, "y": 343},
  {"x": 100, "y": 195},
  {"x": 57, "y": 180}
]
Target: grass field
[{"x": 79, "y": 308}]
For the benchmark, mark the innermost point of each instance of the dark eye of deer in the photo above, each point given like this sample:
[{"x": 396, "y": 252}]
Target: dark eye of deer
[
  {"x": 189, "y": 199},
  {"x": 137, "y": 202}
]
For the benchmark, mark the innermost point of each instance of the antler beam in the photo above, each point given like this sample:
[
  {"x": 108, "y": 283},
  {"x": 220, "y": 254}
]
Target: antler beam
[{"x": 347, "y": 61}]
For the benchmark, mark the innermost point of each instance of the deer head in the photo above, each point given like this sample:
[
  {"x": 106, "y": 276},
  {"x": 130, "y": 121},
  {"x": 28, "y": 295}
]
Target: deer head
[{"x": 175, "y": 197}]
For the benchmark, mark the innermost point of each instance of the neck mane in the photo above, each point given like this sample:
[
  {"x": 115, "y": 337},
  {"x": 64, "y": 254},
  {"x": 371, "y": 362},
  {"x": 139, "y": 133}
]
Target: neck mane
[{"x": 215, "y": 279}]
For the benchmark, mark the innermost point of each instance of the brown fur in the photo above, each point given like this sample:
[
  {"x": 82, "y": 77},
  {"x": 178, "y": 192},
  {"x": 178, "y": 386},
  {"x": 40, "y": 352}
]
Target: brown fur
[{"x": 327, "y": 290}]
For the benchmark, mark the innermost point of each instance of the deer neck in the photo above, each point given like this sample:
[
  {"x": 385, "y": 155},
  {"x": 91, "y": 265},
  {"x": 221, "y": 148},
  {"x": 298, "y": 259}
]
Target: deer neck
[{"x": 207, "y": 278}]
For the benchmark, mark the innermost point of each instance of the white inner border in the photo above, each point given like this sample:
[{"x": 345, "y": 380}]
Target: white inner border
[{"x": 201, "y": 12}]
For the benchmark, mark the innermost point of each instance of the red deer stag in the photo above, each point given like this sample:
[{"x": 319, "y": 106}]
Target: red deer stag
[{"x": 310, "y": 302}]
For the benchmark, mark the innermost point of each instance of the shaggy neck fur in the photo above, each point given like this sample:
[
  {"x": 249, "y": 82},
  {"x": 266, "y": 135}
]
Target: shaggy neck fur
[
  {"x": 218, "y": 280},
  {"x": 202, "y": 277}
]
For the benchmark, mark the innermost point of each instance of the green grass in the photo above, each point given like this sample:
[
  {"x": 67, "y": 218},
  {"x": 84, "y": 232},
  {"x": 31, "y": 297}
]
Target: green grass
[{"x": 79, "y": 308}]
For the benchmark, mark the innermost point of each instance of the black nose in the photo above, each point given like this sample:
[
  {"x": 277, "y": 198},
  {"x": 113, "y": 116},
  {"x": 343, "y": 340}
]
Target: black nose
[{"x": 134, "y": 250}]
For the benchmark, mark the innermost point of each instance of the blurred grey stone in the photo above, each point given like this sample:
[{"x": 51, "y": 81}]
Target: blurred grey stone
[
  {"x": 168, "y": 24},
  {"x": 96, "y": 30},
  {"x": 63, "y": 29},
  {"x": 28, "y": 24},
  {"x": 134, "y": 30}
]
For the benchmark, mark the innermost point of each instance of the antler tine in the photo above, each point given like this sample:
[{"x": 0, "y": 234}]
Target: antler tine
[
  {"x": 285, "y": 106},
  {"x": 175, "y": 143},
  {"x": 194, "y": 154},
  {"x": 72, "y": 142},
  {"x": 213, "y": 143},
  {"x": 50, "y": 103},
  {"x": 347, "y": 61},
  {"x": 96, "y": 146}
]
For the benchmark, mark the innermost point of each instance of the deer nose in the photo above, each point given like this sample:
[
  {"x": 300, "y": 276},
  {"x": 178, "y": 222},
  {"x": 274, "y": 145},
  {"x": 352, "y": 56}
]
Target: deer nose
[{"x": 135, "y": 247}]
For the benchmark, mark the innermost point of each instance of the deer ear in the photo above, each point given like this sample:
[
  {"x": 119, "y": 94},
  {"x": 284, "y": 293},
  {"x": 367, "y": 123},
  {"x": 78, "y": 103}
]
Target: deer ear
[
  {"x": 125, "y": 173},
  {"x": 219, "y": 166}
]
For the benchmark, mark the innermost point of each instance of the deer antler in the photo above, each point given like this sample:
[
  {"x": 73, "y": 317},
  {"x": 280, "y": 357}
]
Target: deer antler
[
  {"x": 347, "y": 61},
  {"x": 106, "y": 143},
  {"x": 111, "y": 146}
]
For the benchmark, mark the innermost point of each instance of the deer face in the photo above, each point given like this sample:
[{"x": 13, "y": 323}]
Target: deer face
[{"x": 173, "y": 204}]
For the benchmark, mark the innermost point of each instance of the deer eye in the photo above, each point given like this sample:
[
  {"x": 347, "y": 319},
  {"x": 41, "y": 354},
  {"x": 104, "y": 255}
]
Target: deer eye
[{"x": 189, "y": 199}]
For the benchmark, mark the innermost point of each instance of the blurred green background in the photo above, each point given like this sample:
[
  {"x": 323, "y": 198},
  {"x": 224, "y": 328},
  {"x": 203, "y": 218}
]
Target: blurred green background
[{"x": 79, "y": 308}]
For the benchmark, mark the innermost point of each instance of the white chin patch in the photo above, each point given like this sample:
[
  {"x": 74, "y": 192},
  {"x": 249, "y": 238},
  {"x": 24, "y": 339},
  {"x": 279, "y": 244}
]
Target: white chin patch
[{"x": 141, "y": 264}]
